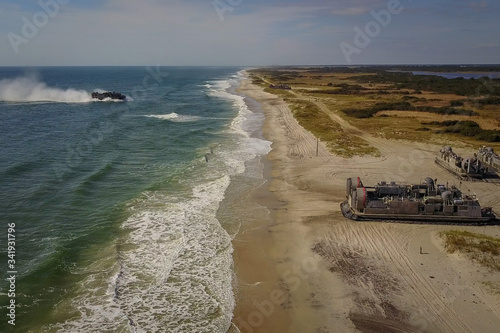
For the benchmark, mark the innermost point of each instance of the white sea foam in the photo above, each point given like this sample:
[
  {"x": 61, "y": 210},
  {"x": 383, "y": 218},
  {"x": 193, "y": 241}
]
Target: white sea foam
[
  {"x": 174, "y": 117},
  {"x": 243, "y": 125},
  {"x": 183, "y": 269},
  {"x": 29, "y": 89},
  {"x": 175, "y": 269}
]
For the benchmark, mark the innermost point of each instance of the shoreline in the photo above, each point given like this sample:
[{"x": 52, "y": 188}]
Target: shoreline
[
  {"x": 254, "y": 266},
  {"x": 308, "y": 269},
  {"x": 280, "y": 299}
]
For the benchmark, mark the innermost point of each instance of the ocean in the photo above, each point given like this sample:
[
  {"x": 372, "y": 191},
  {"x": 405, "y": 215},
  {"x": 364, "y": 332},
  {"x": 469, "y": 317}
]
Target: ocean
[{"x": 123, "y": 221}]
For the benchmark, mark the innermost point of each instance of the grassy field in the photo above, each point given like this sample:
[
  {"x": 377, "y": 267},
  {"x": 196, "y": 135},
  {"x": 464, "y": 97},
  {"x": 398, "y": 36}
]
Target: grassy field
[
  {"x": 480, "y": 248},
  {"x": 328, "y": 131},
  {"x": 311, "y": 117},
  {"x": 374, "y": 101}
]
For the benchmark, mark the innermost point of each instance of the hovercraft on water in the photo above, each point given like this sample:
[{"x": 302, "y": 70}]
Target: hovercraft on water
[{"x": 108, "y": 94}]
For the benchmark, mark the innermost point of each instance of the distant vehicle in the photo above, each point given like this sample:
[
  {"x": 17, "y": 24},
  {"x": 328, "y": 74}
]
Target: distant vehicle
[
  {"x": 425, "y": 202},
  {"x": 489, "y": 159},
  {"x": 108, "y": 94},
  {"x": 461, "y": 167}
]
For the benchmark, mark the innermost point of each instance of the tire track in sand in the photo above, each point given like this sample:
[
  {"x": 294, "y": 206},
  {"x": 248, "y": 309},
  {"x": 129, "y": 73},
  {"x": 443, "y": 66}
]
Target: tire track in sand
[
  {"x": 382, "y": 243},
  {"x": 302, "y": 143}
]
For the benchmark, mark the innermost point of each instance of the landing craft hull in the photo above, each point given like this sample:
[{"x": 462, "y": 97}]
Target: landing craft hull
[
  {"x": 350, "y": 213},
  {"x": 426, "y": 202},
  {"x": 458, "y": 172},
  {"x": 489, "y": 158},
  {"x": 463, "y": 168}
]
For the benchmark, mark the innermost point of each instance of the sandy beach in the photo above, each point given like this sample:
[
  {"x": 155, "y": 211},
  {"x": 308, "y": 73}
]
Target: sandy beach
[{"x": 308, "y": 269}]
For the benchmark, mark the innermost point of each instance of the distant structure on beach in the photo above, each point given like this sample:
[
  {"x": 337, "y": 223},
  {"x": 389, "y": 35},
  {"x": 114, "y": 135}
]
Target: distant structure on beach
[
  {"x": 280, "y": 86},
  {"x": 484, "y": 165},
  {"x": 425, "y": 202},
  {"x": 489, "y": 158},
  {"x": 461, "y": 167}
]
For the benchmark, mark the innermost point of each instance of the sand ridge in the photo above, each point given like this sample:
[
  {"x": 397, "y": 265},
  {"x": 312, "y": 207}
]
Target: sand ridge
[{"x": 327, "y": 274}]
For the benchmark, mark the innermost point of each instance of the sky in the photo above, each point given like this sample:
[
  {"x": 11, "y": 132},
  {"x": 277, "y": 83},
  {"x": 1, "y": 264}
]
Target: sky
[{"x": 248, "y": 32}]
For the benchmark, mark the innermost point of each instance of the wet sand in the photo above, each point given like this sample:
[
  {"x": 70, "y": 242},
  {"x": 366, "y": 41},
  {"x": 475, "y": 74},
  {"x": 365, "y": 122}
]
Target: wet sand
[{"x": 308, "y": 269}]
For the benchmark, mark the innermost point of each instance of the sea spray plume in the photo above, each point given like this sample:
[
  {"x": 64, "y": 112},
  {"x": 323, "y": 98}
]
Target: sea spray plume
[{"x": 30, "y": 89}]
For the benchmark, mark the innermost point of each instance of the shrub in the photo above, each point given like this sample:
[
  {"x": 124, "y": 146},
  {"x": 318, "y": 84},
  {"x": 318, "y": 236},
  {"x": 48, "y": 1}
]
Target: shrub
[
  {"x": 489, "y": 136},
  {"x": 404, "y": 106},
  {"x": 457, "y": 102},
  {"x": 489, "y": 101},
  {"x": 467, "y": 128}
]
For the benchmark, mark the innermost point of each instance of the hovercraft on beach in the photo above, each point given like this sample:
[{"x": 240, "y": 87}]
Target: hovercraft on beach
[
  {"x": 463, "y": 168},
  {"x": 426, "y": 202},
  {"x": 108, "y": 94},
  {"x": 484, "y": 165}
]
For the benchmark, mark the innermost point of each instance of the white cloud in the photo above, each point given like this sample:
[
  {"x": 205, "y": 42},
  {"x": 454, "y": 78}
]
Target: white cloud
[
  {"x": 356, "y": 7},
  {"x": 125, "y": 32},
  {"x": 487, "y": 45},
  {"x": 478, "y": 5},
  {"x": 351, "y": 11}
]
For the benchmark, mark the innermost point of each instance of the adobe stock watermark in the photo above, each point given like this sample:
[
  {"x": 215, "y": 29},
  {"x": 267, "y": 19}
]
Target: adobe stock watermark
[
  {"x": 491, "y": 88},
  {"x": 409, "y": 164},
  {"x": 30, "y": 28},
  {"x": 223, "y": 6},
  {"x": 293, "y": 278},
  {"x": 372, "y": 29},
  {"x": 423, "y": 318}
]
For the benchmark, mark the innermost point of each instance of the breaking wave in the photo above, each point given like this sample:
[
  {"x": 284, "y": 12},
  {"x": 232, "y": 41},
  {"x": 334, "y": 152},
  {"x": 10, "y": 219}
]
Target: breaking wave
[{"x": 174, "y": 117}]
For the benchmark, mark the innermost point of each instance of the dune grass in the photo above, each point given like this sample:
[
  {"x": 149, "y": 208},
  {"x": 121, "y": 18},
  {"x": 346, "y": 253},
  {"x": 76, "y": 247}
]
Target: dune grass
[
  {"x": 328, "y": 131},
  {"x": 317, "y": 122},
  {"x": 481, "y": 248}
]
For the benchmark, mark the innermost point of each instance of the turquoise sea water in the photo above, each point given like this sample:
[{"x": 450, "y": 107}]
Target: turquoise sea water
[{"x": 116, "y": 203}]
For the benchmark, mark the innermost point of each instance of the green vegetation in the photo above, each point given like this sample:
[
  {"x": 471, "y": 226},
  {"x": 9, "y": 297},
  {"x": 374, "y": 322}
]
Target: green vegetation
[
  {"x": 493, "y": 287},
  {"x": 277, "y": 76},
  {"x": 418, "y": 99},
  {"x": 466, "y": 128},
  {"x": 491, "y": 100},
  {"x": 280, "y": 92},
  {"x": 360, "y": 95},
  {"x": 487, "y": 69},
  {"x": 480, "y": 248},
  {"x": 342, "y": 89},
  {"x": 408, "y": 68},
  {"x": 488, "y": 101},
  {"x": 257, "y": 81},
  {"x": 404, "y": 106},
  {"x": 459, "y": 86},
  {"x": 328, "y": 131},
  {"x": 457, "y": 102}
]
